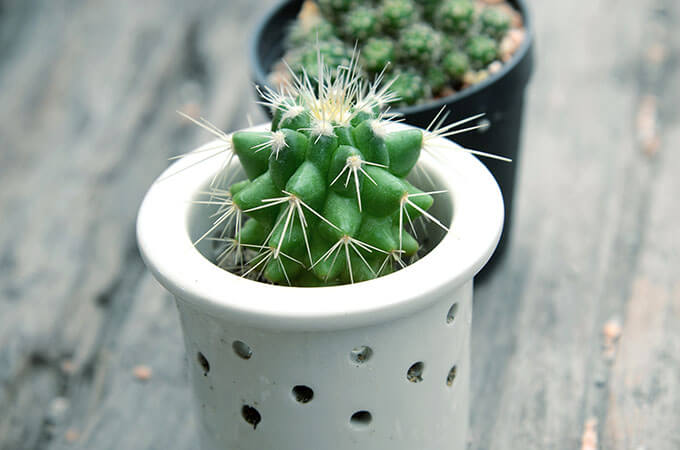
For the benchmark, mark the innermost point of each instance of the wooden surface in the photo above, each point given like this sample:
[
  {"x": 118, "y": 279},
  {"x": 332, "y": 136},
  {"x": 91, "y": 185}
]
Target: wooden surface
[{"x": 576, "y": 336}]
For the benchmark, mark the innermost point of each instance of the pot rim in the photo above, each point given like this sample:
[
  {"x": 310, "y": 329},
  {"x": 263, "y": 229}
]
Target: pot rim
[
  {"x": 261, "y": 78},
  {"x": 166, "y": 246}
]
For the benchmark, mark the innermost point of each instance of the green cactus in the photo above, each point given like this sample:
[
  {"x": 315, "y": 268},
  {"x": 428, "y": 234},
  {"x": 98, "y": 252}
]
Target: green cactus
[
  {"x": 333, "y": 53},
  {"x": 455, "y": 16},
  {"x": 408, "y": 87},
  {"x": 481, "y": 50},
  {"x": 334, "y": 8},
  {"x": 326, "y": 200},
  {"x": 494, "y": 22},
  {"x": 437, "y": 79},
  {"x": 419, "y": 42},
  {"x": 397, "y": 14},
  {"x": 300, "y": 34},
  {"x": 361, "y": 23},
  {"x": 456, "y": 64},
  {"x": 377, "y": 53}
]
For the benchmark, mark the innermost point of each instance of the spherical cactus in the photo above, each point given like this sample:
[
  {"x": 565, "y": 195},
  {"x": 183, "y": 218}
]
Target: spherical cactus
[
  {"x": 455, "y": 16},
  {"x": 360, "y": 24},
  {"x": 456, "y": 64},
  {"x": 429, "y": 7},
  {"x": 397, "y": 14},
  {"x": 377, "y": 53},
  {"x": 481, "y": 51},
  {"x": 494, "y": 22},
  {"x": 333, "y": 53},
  {"x": 408, "y": 87},
  {"x": 302, "y": 33},
  {"x": 326, "y": 200},
  {"x": 333, "y": 9},
  {"x": 437, "y": 79},
  {"x": 419, "y": 43}
]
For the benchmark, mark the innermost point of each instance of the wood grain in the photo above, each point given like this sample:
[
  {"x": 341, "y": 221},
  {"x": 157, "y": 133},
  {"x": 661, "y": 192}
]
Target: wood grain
[{"x": 89, "y": 91}]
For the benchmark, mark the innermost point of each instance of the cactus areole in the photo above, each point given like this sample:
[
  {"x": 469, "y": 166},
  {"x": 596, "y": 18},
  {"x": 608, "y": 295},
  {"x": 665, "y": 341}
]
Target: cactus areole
[{"x": 326, "y": 199}]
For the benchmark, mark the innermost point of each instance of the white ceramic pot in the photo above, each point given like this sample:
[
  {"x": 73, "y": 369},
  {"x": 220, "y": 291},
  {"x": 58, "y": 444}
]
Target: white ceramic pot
[{"x": 382, "y": 364}]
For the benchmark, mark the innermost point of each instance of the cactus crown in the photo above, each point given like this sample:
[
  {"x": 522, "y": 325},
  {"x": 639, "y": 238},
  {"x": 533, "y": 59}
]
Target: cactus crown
[{"x": 326, "y": 200}]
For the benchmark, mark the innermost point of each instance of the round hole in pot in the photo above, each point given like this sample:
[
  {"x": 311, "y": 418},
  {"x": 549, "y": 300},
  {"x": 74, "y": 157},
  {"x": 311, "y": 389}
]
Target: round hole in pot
[
  {"x": 361, "y": 419},
  {"x": 451, "y": 315},
  {"x": 303, "y": 394},
  {"x": 415, "y": 372},
  {"x": 251, "y": 415},
  {"x": 451, "y": 376},
  {"x": 203, "y": 362},
  {"x": 361, "y": 354},
  {"x": 242, "y": 349}
]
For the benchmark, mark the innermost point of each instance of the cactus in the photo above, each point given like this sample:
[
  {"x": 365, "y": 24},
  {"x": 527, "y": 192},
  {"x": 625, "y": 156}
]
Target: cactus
[
  {"x": 456, "y": 64},
  {"x": 334, "y": 8},
  {"x": 481, "y": 50},
  {"x": 397, "y": 14},
  {"x": 494, "y": 22},
  {"x": 377, "y": 53},
  {"x": 444, "y": 44},
  {"x": 300, "y": 33},
  {"x": 455, "y": 16},
  {"x": 421, "y": 43},
  {"x": 361, "y": 23},
  {"x": 437, "y": 79},
  {"x": 408, "y": 87},
  {"x": 326, "y": 200}
]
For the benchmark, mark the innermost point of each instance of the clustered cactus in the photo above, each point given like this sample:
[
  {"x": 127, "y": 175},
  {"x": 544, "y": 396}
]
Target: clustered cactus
[
  {"x": 435, "y": 46},
  {"x": 326, "y": 200}
]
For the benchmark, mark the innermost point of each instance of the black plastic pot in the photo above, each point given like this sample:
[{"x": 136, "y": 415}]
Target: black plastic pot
[{"x": 500, "y": 97}]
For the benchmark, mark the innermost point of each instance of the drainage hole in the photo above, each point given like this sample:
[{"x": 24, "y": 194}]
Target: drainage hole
[
  {"x": 361, "y": 419},
  {"x": 452, "y": 313},
  {"x": 451, "y": 376},
  {"x": 303, "y": 394},
  {"x": 415, "y": 372},
  {"x": 242, "y": 349},
  {"x": 361, "y": 354},
  {"x": 203, "y": 361},
  {"x": 251, "y": 415}
]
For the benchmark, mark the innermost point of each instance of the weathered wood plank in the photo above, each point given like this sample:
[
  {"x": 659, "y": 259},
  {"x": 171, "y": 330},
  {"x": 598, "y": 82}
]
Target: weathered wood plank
[
  {"x": 584, "y": 196},
  {"x": 88, "y": 111}
]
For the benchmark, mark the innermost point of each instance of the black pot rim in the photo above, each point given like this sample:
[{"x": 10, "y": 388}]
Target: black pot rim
[{"x": 260, "y": 75}]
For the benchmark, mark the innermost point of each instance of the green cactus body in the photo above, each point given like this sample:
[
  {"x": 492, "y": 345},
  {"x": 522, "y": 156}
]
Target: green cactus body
[
  {"x": 360, "y": 24},
  {"x": 494, "y": 22},
  {"x": 456, "y": 64},
  {"x": 333, "y": 52},
  {"x": 421, "y": 43},
  {"x": 481, "y": 50},
  {"x": 408, "y": 87},
  {"x": 429, "y": 8},
  {"x": 326, "y": 200},
  {"x": 377, "y": 53},
  {"x": 300, "y": 34},
  {"x": 437, "y": 78},
  {"x": 334, "y": 8},
  {"x": 455, "y": 16},
  {"x": 397, "y": 14}
]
